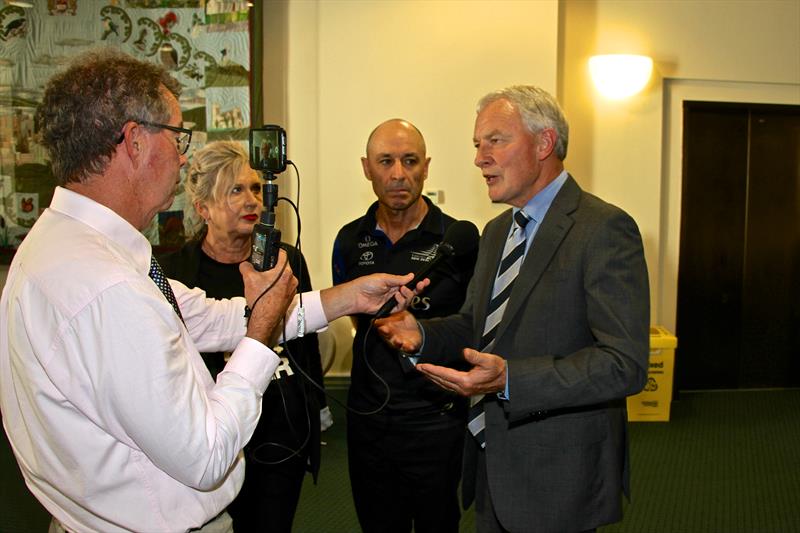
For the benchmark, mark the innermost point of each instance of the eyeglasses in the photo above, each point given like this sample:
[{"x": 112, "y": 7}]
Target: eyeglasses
[{"x": 182, "y": 142}]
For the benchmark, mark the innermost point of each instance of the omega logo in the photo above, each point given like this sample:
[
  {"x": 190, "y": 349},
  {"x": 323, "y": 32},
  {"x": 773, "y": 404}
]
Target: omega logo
[{"x": 368, "y": 242}]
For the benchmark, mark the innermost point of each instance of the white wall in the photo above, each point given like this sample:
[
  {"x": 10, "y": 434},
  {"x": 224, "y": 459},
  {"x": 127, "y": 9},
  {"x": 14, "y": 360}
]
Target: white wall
[
  {"x": 353, "y": 64},
  {"x": 426, "y": 61},
  {"x": 622, "y": 156}
]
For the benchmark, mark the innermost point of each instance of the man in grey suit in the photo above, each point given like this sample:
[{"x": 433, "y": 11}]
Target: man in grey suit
[{"x": 555, "y": 325}]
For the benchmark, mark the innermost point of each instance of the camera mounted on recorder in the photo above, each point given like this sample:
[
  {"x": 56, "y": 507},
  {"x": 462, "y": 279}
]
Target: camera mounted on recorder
[{"x": 267, "y": 155}]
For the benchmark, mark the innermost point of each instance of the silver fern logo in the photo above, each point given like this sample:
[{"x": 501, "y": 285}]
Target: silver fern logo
[{"x": 426, "y": 255}]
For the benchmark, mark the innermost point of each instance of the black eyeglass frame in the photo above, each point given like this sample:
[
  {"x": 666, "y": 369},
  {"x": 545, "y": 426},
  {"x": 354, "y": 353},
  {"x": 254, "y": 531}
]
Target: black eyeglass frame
[{"x": 176, "y": 129}]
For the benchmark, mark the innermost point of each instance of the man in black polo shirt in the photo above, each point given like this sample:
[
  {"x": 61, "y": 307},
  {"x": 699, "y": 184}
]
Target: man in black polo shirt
[{"x": 404, "y": 434}]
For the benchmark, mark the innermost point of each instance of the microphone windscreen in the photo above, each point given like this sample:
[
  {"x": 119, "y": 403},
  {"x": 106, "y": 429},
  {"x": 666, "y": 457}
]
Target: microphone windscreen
[{"x": 462, "y": 236}]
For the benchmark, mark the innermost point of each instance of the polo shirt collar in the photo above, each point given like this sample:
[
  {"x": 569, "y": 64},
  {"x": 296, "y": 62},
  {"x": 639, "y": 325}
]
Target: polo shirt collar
[{"x": 432, "y": 222}]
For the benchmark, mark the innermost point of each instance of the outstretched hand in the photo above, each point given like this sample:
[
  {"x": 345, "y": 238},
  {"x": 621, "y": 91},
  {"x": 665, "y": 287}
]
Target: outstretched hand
[
  {"x": 367, "y": 294},
  {"x": 487, "y": 375},
  {"x": 376, "y": 289}
]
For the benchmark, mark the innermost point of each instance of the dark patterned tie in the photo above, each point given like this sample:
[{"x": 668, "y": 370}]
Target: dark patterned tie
[
  {"x": 161, "y": 282},
  {"x": 513, "y": 255}
]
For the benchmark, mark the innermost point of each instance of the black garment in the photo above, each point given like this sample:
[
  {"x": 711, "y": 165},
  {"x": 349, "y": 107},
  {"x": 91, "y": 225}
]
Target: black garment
[
  {"x": 286, "y": 441},
  {"x": 390, "y": 452},
  {"x": 404, "y": 471}
]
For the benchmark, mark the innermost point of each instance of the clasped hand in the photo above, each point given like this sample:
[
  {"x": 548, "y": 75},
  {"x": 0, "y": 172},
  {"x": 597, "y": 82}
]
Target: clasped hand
[
  {"x": 268, "y": 308},
  {"x": 488, "y": 372}
]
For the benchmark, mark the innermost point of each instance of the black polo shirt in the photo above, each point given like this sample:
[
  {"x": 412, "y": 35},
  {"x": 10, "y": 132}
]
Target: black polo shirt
[{"x": 361, "y": 249}]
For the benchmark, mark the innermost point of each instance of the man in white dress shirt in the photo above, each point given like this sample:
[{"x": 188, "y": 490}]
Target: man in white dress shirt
[{"x": 111, "y": 413}]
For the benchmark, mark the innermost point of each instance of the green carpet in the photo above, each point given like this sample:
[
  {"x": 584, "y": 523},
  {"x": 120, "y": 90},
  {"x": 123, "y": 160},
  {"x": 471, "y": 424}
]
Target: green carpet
[{"x": 727, "y": 462}]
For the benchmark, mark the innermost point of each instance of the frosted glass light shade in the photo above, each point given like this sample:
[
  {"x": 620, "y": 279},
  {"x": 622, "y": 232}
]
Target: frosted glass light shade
[{"x": 619, "y": 76}]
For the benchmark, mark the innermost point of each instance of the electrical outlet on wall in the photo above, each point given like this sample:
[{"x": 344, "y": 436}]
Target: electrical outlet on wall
[{"x": 437, "y": 197}]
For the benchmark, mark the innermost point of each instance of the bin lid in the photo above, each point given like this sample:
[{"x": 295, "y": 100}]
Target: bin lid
[{"x": 660, "y": 337}]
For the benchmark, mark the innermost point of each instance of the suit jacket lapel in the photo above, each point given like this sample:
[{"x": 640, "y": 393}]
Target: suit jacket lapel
[{"x": 555, "y": 226}]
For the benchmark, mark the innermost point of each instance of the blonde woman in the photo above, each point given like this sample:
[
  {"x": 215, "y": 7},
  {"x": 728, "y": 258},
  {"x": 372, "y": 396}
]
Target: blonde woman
[{"x": 225, "y": 194}]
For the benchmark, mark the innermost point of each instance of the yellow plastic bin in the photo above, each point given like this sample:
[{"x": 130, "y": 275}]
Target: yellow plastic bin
[{"x": 652, "y": 404}]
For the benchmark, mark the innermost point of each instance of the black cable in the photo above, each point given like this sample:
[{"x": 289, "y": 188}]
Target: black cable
[
  {"x": 302, "y": 372},
  {"x": 292, "y": 451},
  {"x": 287, "y": 350}
]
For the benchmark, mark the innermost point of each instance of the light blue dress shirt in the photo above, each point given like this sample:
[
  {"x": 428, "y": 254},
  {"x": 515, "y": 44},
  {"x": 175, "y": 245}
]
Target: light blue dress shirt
[{"x": 535, "y": 209}]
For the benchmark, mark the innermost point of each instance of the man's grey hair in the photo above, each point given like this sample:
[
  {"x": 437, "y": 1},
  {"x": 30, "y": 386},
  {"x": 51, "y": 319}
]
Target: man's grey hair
[
  {"x": 539, "y": 110},
  {"x": 85, "y": 107}
]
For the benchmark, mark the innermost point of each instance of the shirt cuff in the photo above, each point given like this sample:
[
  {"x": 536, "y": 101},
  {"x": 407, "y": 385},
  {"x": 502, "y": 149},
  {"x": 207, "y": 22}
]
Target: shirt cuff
[
  {"x": 254, "y": 362},
  {"x": 311, "y": 319},
  {"x": 505, "y": 395}
]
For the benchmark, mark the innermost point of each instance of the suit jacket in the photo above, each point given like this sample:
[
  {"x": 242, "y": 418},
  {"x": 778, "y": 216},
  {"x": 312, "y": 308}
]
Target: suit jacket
[{"x": 575, "y": 335}]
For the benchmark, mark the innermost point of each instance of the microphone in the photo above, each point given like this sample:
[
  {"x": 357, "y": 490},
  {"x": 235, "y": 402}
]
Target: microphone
[{"x": 460, "y": 239}]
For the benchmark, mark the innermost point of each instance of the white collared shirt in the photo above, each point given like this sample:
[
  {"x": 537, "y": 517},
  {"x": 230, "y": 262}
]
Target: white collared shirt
[{"x": 113, "y": 417}]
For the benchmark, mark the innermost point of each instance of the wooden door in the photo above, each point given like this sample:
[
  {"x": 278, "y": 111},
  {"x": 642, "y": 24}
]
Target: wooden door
[{"x": 738, "y": 273}]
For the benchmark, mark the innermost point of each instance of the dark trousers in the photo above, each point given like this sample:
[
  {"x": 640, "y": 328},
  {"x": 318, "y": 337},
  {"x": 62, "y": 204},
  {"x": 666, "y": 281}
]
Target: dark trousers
[
  {"x": 404, "y": 475},
  {"x": 269, "y": 496}
]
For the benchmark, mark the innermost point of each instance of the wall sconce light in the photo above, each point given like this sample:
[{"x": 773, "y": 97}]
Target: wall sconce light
[{"x": 619, "y": 76}]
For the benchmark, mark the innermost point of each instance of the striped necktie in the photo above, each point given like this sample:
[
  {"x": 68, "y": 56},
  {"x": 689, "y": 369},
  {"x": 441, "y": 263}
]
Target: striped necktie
[
  {"x": 157, "y": 275},
  {"x": 513, "y": 255}
]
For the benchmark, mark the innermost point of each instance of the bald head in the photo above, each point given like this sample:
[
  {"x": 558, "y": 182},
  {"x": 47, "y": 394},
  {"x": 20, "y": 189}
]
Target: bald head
[
  {"x": 394, "y": 127},
  {"x": 396, "y": 165}
]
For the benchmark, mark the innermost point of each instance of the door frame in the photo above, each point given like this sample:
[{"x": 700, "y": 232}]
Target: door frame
[{"x": 676, "y": 91}]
